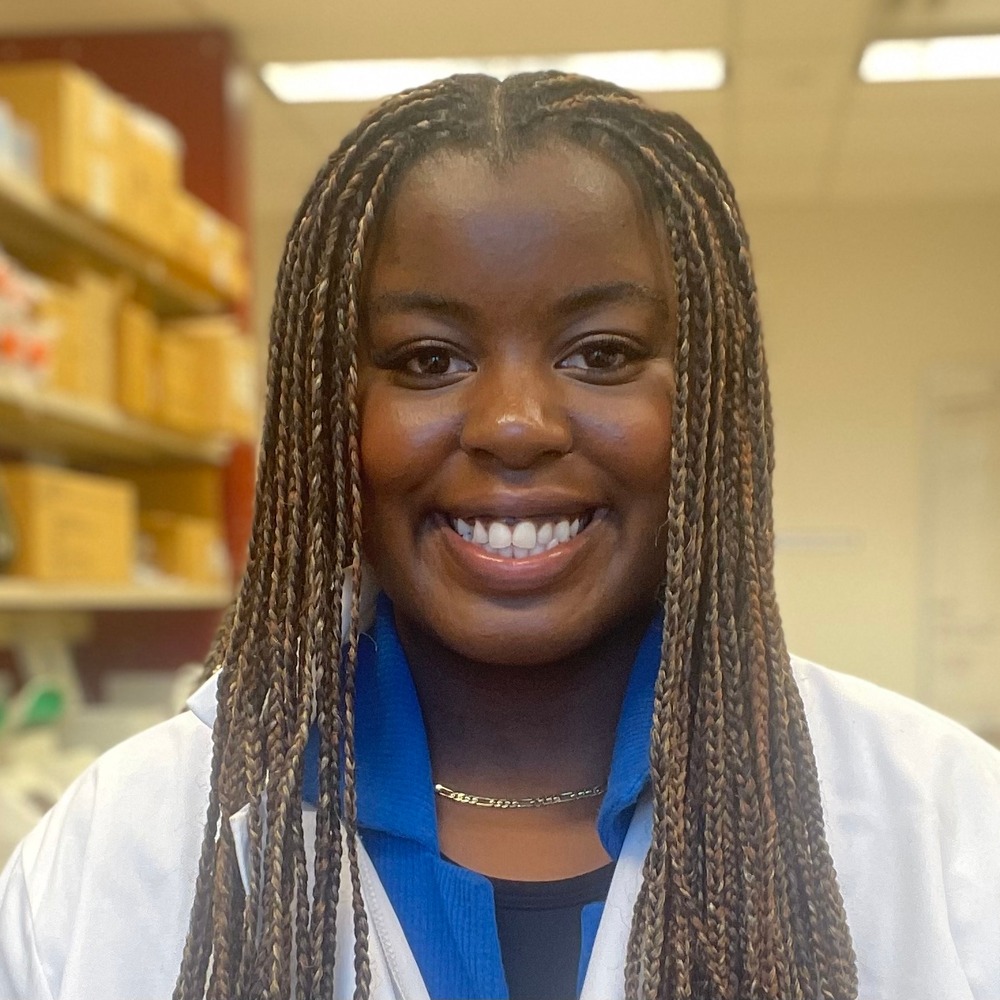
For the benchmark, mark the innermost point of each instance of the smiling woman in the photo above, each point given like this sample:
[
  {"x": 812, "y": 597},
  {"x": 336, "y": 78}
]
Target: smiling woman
[{"x": 517, "y": 390}]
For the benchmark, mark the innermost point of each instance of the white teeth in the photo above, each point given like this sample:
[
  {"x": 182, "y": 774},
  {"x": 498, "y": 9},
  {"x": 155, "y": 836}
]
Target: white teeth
[
  {"x": 517, "y": 541},
  {"x": 500, "y": 535},
  {"x": 523, "y": 535}
]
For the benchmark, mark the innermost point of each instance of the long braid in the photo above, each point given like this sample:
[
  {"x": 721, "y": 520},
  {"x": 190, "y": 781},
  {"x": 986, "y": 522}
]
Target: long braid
[{"x": 739, "y": 898}]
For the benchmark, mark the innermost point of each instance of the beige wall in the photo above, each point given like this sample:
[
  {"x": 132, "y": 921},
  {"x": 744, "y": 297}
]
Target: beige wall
[{"x": 859, "y": 305}]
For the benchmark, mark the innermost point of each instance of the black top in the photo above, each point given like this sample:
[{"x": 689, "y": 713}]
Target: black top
[{"x": 539, "y": 928}]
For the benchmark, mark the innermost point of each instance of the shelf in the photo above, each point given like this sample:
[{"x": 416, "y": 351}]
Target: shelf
[
  {"x": 29, "y": 595},
  {"x": 43, "y": 233},
  {"x": 74, "y": 429}
]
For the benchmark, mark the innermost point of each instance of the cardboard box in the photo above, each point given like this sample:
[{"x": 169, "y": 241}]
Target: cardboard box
[
  {"x": 194, "y": 490},
  {"x": 192, "y": 548},
  {"x": 83, "y": 319},
  {"x": 208, "y": 379},
  {"x": 138, "y": 361},
  {"x": 61, "y": 310},
  {"x": 77, "y": 121},
  {"x": 151, "y": 160},
  {"x": 70, "y": 527},
  {"x": 209, "y": 246}
]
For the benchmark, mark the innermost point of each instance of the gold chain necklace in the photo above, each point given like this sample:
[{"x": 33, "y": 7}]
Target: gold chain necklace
[{"x": 531, "y": 803}]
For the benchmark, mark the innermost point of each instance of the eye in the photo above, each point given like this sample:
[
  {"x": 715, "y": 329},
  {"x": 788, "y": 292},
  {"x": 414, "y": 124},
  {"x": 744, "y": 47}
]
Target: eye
[
  {"x": 427, "y": 364},
  {"x": 604, "y": 356}
]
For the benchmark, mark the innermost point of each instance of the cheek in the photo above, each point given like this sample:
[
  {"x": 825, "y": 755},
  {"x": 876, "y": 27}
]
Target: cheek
[
  {"x": 632, "y": 442},
  {"x": 404, "y": 438}
]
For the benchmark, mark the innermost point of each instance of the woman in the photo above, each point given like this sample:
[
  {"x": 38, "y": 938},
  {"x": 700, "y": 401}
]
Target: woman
[{"x": 516, "y": 372}]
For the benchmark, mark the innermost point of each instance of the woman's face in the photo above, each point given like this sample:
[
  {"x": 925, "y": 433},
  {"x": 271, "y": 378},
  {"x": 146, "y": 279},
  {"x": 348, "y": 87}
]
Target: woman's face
[{"x": 516, "y": 391}]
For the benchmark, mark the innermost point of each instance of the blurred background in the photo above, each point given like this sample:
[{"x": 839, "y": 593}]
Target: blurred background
[{"x": 148, "y": 175}]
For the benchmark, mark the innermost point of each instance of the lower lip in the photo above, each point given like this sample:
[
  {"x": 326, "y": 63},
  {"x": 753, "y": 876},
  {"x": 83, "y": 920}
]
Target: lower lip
[{"x": 510, "y": 575}]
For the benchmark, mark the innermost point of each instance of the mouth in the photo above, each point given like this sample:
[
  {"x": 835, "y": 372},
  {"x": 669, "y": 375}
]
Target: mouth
[{"x": 520, "y": 538}]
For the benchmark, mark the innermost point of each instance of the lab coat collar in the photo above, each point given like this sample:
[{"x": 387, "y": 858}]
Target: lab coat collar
[{"x": 203, "y": 702}]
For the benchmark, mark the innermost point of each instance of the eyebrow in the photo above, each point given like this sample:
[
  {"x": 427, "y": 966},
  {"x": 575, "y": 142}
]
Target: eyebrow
[
  {"x": 611, "y": 292},
  {"x": 577, "y": 301},
  {"x": 428, "y": 302}
]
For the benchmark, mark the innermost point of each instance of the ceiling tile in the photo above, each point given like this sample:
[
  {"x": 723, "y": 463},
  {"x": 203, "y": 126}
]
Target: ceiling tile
[
  {"x": 778, "y": 78},
  {"x": 457, "y": 27},
  {"x": 68, "y": 16},
  {"x": 791, "y": 22}
]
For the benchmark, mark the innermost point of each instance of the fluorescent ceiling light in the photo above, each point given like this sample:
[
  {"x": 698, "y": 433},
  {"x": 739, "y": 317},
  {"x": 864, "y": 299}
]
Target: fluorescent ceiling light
[
  {"x": 370, "y": 79},
  {"x": 972, "y": 57}
]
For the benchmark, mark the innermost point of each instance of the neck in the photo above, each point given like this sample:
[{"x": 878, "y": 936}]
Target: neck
[{"x": 522, "y": 731}]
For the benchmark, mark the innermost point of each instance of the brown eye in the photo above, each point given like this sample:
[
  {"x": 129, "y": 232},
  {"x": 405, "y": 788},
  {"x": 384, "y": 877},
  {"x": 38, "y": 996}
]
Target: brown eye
[
  {"x": 430, "y": 361},
  {"x": 433, "y": 361},
  {"x": 602, "y": 357}
]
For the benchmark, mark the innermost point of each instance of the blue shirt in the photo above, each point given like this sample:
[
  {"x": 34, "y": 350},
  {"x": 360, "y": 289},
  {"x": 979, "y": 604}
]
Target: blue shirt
[{"x": 446, "y": 911}]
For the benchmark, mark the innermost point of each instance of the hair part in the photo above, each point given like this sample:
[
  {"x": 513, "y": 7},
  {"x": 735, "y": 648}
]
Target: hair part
[{"x": 739, "y": 898}]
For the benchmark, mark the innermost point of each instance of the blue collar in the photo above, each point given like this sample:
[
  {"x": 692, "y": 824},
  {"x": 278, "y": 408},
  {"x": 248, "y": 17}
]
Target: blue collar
[
  {"x": 395, "y": 786},
  {"x": 447, "y": 912}
]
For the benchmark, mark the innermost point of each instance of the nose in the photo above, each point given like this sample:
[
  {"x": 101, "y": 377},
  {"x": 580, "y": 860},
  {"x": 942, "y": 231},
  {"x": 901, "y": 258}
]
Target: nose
[{"x": 517, "y": 416}]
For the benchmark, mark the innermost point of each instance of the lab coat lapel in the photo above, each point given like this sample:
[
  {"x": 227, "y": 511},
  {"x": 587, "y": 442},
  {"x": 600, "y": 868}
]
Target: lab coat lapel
[
  {"x": 605, "y": 979},
  {"x": 394, "y": 972}
]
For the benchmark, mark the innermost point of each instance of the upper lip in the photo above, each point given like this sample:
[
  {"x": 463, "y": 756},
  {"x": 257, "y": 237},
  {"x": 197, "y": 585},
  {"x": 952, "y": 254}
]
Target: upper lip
[{"x": 521, "y": 505}]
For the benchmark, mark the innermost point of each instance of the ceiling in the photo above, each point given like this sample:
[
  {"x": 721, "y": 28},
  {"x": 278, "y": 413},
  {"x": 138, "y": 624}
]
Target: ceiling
[{"x": 793, "y": 123}]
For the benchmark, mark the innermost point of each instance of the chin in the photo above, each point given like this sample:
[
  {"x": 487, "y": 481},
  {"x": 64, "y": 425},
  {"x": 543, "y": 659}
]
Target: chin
[{"x": 505, "y": 636}]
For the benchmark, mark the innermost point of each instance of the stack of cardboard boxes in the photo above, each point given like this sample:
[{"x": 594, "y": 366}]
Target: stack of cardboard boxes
[
  {"x": 135, "y": 525},
  {"x": 122, "y": 165},
  {"x": 70, "y": 527},
  {"x": 195, "y": 376}
]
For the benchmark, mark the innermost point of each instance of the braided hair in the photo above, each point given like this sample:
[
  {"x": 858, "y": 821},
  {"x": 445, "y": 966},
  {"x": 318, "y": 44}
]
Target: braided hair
[{"x": 739, "y": 899}]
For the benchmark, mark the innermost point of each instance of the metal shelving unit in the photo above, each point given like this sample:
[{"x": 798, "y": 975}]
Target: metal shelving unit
[
  {"x": 51, "y": 424},
  {"x": 29, "y": 596},
  {"x": 43, "y": 233}
]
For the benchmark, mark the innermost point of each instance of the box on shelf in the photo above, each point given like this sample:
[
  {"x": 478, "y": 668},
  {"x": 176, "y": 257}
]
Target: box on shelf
[
  {"x": 25, "y": 336},
  {"x": 194, "y": 490},
  {"x": 192, "y": 548},
  {"x": 151, "y": 153},
  {"x": 84, "y": 318},
  {"x": 70, "y": 527},
  {"x": 138, "y": 361},
  {"x": 62, "y": 312},
  {"x": 208, "y": 378},
  {"x": 208, "y": 245},
  {"x": 78, "y": 123}
]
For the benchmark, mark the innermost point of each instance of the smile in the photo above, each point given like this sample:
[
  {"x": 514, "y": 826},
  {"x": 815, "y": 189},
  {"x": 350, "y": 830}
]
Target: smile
[{"x": 519, "y": 538}]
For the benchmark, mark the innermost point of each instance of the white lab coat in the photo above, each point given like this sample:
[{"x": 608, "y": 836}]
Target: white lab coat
[{"x": 95, "y": 902}]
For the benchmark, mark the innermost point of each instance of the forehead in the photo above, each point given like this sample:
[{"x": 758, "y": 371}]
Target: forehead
[{"x": 555, "y": 216}]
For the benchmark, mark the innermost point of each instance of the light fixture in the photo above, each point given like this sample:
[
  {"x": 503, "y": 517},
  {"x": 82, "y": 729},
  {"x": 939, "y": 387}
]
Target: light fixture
[
  {"x": 649, "y": 71},
  {"x": 968, "y": 57}
]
